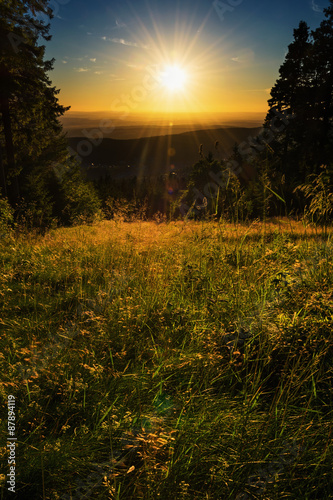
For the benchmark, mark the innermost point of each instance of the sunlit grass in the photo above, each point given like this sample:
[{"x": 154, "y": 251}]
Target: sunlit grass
[{"x": 181, "y": 360}]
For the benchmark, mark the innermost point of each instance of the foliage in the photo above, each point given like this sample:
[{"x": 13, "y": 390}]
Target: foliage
[
  {"x": 319, "y": 191},
  {"x": 44, "y": 183},
  {"x": 29, "y": 129},
  {"x": 79, "y": 201},
  {"x": 172, "y": 361},
  {"x": 6, "y": 216},
  {"x": 301, "y": 106},
  {"x": 212, "y": 189},
  {"x": 125, "y": 211}
]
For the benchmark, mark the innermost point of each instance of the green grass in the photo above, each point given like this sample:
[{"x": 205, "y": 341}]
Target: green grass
[{"x": 172, "y": 361}]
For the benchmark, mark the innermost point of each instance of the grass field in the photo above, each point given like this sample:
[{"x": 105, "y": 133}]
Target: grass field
[{"x": 169, "y": 361}]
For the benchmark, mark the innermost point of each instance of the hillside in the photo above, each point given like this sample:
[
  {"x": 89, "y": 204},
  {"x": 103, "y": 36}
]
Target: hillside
[
  {"x": 169, "y": 361},
  {"x": 137, "y": 126},
  {"x": 153, "y": 156}
]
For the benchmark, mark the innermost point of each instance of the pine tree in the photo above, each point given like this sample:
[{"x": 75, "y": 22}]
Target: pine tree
[
  {"x": 290, "y": 89},
  {"x": 292, "y": 96},
  {"x": 304, "y": 93},
  {"x": 323, "y": 49},
  {"x": 30, "y": 133}
]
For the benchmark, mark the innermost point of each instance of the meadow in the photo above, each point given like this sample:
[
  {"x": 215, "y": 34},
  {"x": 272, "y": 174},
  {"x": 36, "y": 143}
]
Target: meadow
[{"x": 182, "y": 360}]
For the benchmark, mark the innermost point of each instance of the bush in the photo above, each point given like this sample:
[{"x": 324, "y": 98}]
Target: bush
[
  {"x": 80, "y": 203},
  {"x": 6, "y": 217},
  {"x": 319, "y": 191},
  {"x": 124, "y": 210}
]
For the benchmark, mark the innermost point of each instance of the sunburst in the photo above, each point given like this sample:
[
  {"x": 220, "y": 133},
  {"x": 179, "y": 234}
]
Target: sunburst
[{"x": 173, "y": 78}]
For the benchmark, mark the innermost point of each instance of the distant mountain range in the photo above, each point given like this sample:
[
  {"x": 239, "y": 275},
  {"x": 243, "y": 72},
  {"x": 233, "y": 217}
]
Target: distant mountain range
[{"x": 157, "y": 155}]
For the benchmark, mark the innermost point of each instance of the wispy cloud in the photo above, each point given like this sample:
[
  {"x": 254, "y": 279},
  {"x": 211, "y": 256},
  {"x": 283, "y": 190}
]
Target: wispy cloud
[
  {"x": 80, "y": 59},
  {"x": 315, "y": 7},
  {"x": 122, "y": 41},
  {"x": 267, "y": 91},
  {"x": 115, "y": 78},
  {"x": 133, "y": 66},
  {"x": 98, "y": 72},
  {"x": 245, "y": 56},
  {"x": 81, "y": 70},
  {"x": 120, "y": 24}
]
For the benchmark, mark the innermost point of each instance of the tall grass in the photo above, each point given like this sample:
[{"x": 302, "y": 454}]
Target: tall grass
[{"x": 173, "y": 361}]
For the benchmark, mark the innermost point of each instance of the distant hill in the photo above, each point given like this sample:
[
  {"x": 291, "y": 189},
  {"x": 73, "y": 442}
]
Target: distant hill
[
  {"x": 150, "y": 125},
  {"x": 154, "y": 156}
]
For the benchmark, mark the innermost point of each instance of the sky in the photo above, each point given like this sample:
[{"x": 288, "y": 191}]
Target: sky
[{"x": 153, "y": 56}]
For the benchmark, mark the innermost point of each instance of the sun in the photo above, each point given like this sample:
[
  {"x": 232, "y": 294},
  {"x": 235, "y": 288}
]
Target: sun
[{"x": 173, "y": 78}]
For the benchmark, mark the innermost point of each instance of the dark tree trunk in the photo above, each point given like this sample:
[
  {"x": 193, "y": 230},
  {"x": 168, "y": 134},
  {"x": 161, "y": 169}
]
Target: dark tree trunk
[
  {"x": 9, "y": 175},
  {"x": 3, "y": 184}
]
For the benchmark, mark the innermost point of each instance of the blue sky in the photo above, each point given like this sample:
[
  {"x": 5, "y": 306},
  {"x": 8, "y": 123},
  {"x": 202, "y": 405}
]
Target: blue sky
[{"x": 103, "y": 48}]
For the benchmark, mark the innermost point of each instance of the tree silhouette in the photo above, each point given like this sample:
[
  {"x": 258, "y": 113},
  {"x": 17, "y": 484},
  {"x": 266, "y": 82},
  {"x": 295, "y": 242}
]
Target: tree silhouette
[
  {"x": 29, "y": 128},
  {"x": 292, "y": 96},
  {"x": 323, "y": 50},
  {"x": 303, "y": 92}
]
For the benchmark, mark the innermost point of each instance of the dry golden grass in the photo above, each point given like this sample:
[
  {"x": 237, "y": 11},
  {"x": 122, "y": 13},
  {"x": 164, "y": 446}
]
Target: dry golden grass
[{"x": 180, "y": 360}]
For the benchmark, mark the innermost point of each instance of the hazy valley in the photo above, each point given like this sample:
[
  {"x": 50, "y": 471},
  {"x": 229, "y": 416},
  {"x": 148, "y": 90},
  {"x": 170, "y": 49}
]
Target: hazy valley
[{"x": 156, "y": 155}]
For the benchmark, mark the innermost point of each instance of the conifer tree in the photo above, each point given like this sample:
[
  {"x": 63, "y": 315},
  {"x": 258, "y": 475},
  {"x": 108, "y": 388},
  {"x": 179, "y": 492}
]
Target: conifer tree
[
  {"x": 292, "y": 97},
  {"x": 30, "y": 133},
  {"x": 304, "y": 93},
  {"x": 323, "y": 49}
]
